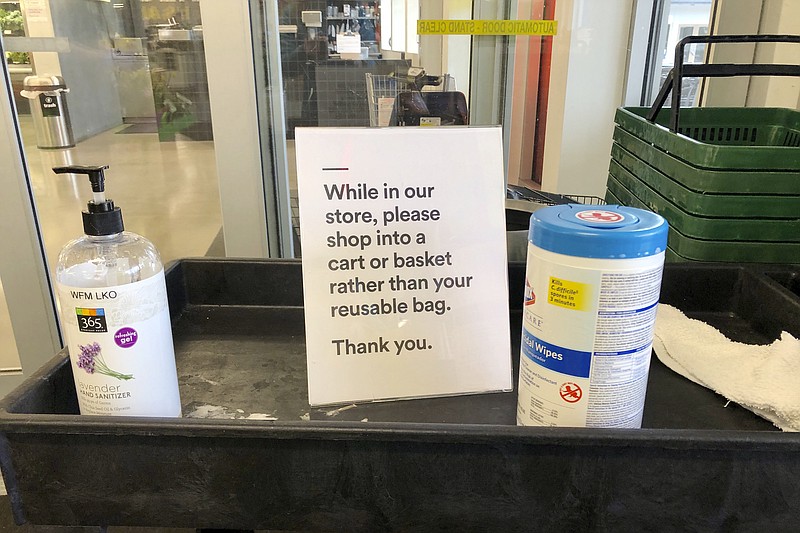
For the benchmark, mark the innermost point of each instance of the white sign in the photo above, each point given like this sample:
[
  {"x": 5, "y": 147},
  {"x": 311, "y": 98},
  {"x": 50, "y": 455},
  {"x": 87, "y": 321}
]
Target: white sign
[
  {"x": 348, "y": 44},
  {"x": 430, "y": 121},
  {"x": 36, "y": 11},
  {"x": 404, "y": 262}
]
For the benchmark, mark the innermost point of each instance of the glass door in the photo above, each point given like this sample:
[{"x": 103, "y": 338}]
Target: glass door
[
  {"x": 342, "y": 63},
  {"x": 156, "y": 90},
  {"x": 29, "y": 334}
]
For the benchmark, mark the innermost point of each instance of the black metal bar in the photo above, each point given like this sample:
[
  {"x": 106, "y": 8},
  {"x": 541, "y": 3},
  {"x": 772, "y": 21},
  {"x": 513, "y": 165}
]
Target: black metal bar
[
  {"x": 661, "y": 97},
  {"x": 677, "y": 85},
  {"x": 712, "y": 39},
  {"x": 679, "y": 70},
  {"x": 733, "y": 69}
]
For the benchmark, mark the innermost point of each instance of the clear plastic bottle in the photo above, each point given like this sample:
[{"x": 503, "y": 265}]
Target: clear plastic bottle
[
  {"x": 95, "y": 261},
  {"x": 115, "y": 314}
]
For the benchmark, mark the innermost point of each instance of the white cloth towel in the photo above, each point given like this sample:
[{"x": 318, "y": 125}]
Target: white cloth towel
[{"x": 764, "y": 379}]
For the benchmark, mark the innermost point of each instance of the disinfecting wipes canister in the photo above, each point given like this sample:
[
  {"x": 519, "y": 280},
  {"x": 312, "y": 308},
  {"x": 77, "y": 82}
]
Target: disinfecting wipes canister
[{"x": 592, "y": 285}]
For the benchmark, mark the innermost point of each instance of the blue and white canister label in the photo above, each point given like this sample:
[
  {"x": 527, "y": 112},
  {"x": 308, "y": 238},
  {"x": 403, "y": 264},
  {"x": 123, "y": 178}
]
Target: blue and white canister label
[{"x": 586, "y": 339}]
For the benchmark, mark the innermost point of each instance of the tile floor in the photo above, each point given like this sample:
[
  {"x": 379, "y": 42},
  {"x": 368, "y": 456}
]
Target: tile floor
[{"x": 168, "y": 192}]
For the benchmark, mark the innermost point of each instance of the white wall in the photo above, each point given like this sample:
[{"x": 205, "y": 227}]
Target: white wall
[
  {"x": 734, "y": 17},
  {"x": 586, "y": 87},
  {"x": 88, "y": 68},
  {"x": 780, "y": 17},
  {"x": 39, "y": 23},
  {"x": 457, "y": 48},
  {"x": 431, "y": 57},
  {"x": 751, "y": 17},
  {"x": 22, "y": 262},
  {"x": 229, "y": 56}
]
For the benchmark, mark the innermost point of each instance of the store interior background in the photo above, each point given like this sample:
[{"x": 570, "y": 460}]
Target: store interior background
[{"x": 152, "y": 96}]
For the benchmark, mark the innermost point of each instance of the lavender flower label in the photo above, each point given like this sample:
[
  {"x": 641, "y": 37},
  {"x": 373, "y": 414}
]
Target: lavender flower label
[
  {"x": 120, "y": 345},
  {"x": 91, "y": 361}
]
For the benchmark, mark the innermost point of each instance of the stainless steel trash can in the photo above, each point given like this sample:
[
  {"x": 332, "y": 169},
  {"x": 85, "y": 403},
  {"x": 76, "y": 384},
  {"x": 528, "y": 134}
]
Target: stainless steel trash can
[{"x": 49, "y": 110}]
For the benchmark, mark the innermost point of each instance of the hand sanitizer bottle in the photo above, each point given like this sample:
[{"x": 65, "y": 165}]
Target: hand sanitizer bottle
[{"x": 115, "y": 315}]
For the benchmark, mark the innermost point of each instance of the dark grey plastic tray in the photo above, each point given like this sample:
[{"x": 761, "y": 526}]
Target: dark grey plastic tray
[{"x": 451, "y": 464}]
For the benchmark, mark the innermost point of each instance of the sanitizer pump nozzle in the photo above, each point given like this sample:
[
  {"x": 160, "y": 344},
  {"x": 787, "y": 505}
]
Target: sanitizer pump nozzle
[{"x": 101, "y": 216}]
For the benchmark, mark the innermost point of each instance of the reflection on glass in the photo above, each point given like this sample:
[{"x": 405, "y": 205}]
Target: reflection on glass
[
  {"x": 138, "y": 101},
  {"x": 680, "y": 20},
  {"x": 391, "y": 77}
]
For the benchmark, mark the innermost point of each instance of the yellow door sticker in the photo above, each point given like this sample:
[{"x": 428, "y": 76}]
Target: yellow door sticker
[
  {"x": 487, "y": 27},
  {"x": 568, "y": 294}
]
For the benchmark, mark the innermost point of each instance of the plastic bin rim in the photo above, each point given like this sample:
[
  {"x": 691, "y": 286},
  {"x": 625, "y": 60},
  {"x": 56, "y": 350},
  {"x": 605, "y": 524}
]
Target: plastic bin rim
[
  {"x": 679, "y": 439},
  {"x": 676, "y": 439},
  {"x": 686, "y": 138}
]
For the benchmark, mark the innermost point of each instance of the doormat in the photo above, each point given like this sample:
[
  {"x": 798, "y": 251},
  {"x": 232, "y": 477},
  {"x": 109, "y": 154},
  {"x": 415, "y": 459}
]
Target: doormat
[{"x": 144, "y": 127}]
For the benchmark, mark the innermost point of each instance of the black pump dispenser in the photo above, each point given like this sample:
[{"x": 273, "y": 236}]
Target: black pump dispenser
[{"x": 100, "y": 217}]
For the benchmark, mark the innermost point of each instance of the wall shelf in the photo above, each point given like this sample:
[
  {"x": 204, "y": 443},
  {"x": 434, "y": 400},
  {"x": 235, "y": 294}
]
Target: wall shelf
[{"x": 369, "y": 17}]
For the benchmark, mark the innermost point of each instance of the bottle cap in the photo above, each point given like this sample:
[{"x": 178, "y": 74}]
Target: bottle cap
[{"x": 101, "y": 217}]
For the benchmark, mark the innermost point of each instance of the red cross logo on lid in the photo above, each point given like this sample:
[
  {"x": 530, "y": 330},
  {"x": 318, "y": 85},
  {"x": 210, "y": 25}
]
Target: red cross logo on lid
[{"x": 596, "y": 215}]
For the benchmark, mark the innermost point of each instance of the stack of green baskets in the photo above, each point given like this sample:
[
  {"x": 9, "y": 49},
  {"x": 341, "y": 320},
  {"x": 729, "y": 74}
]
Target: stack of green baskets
[{"x": 728, "y": 183}]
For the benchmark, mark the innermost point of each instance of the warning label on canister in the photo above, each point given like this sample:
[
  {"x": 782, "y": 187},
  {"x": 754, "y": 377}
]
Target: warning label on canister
[{"x": 568, "y": 294}]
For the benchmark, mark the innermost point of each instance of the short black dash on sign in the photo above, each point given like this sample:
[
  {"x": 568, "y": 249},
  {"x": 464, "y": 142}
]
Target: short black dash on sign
[{"x": 335, "y": 168}]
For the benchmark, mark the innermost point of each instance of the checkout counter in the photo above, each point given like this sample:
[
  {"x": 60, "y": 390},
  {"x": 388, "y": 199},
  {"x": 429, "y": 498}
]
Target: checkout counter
[{"x": 323, "y": 87}]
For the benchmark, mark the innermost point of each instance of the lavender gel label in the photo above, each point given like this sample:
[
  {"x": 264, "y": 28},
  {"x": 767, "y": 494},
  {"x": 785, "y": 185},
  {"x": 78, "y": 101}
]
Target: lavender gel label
[
  {"x": 120, "y": 345},
  {"x": 125, "y": 337}
]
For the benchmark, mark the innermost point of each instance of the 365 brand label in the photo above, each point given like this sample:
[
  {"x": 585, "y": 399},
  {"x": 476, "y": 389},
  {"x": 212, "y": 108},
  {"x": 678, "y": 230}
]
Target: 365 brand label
[{"x": 120, "y": 344}]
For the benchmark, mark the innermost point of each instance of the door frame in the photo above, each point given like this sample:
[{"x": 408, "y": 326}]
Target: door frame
[{"x": 23, "y": 264}]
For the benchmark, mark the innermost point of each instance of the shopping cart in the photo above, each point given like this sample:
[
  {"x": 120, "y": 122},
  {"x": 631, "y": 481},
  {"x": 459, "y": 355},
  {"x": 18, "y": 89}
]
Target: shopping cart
[
  {"x": 516, "y": 192},
  {"x": 521, "y": 202},
  {"x": 383, "y": 89}
]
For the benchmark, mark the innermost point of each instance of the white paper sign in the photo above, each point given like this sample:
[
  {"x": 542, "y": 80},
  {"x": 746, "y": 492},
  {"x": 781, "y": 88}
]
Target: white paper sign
[
  {"x": 430, "y": 121},
  {"x": 36, "y": 11},
  {"x": 404, "y": 262},
  {"x": 348, "y": 44}
]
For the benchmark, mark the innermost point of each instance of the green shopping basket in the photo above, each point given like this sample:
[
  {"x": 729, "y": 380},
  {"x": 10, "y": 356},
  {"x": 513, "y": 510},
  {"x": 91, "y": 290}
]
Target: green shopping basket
[
  {"x": 634, "y": 193},
  {"x": 720, "y": 138}
]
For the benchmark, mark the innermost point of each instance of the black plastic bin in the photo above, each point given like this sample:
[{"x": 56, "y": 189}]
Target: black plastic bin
[{"x": 457, "y": 464}]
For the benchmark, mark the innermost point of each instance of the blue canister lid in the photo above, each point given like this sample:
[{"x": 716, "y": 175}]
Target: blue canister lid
[{"x": 598, "y": 231}]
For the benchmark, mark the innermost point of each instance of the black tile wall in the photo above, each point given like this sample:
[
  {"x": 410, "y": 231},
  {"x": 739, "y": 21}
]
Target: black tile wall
[
  {"x": 298, "y": 52},
  {"x": 318, "y": 90},
  {"x": 341, "y": 90}
]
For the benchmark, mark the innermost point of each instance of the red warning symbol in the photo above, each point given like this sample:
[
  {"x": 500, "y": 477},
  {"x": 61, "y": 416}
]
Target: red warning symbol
[
  {"x": 596, "y": 215},
  {"x": 570, "y": 392}
]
